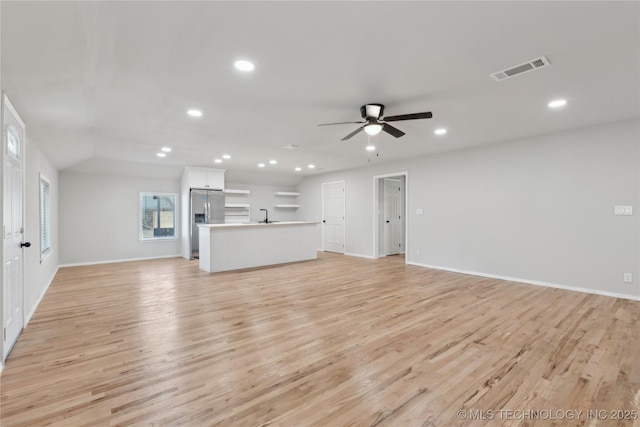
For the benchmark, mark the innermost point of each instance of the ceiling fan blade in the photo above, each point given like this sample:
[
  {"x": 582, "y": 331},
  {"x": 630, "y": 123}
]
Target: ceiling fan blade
[
  {"x": 392, "y": 131},
  {"x": 425, "y": 115},
  {"x": 353, "y": 133},
  {"x": 342, "y": 123}
]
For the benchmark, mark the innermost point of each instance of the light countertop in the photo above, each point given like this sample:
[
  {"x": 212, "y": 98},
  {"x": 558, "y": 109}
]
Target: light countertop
[{"x": 257, "y": 224}]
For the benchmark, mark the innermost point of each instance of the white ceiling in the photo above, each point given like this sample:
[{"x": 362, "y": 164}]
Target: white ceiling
[{"x": 100, "y": 83}]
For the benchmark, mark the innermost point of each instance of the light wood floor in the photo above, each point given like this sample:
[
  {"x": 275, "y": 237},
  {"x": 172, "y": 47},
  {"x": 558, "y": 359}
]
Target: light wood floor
[{"x": 339, "y": 341}]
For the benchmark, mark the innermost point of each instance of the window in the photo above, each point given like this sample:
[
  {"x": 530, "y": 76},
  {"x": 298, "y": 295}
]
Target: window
[
  {"x": 13, "y": 141},
  {"x": 45, "y": 218},
  {"x": 158, "y": 216}
]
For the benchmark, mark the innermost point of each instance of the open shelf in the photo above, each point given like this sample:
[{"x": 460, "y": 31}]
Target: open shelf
[
  {"x": 237, "y": 213},
  {"x": 287, "y": 206},
  {"x": 286, "y": 193}
]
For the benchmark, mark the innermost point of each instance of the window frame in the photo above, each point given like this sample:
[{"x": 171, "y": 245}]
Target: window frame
[
  {"x": 45, "y": 220},
  {"x": 176, "y": 199}
]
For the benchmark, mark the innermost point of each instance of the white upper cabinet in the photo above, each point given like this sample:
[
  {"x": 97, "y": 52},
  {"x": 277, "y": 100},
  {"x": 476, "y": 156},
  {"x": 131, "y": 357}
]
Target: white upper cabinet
[{"x": 210, "y": 179}]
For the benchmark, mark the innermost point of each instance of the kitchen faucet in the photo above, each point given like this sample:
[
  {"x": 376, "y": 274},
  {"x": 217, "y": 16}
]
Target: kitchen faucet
[{"x": 266, "y": 216}]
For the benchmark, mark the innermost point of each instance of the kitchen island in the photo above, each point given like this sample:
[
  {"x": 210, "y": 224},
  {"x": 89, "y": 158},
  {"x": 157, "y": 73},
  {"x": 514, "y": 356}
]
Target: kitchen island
[{"x": 226, "y": 247}]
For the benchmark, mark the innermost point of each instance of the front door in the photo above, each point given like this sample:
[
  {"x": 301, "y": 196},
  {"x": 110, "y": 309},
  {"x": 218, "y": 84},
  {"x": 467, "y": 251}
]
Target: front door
[
  {"x": 12, "y": 282},
  {"x": 333, "y": 216}
]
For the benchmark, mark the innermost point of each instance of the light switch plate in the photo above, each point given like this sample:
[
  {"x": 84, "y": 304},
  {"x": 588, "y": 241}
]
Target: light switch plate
[
  {"x": 419, "y": 211},
  {"x": 627, "y": 278},
  {"x": 622, "y": 210}
]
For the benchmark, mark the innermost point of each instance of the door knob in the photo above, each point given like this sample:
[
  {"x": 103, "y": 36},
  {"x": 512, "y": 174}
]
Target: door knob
[
  {"x": 324, "y": 220},
  {"x": 25, "y": 244},
  {"x": 387, "y": 221}
]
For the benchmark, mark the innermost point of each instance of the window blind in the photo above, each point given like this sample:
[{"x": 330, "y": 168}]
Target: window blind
[{"x": 45, "y": 216}]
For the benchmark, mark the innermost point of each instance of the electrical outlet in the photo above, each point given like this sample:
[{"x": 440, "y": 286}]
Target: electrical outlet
[
  {"x": 628, "y": 278},
  {"x": 417, "y": 251}
]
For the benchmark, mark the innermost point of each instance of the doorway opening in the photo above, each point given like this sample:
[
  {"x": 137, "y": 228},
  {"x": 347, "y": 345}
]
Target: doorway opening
[{"x": 390, "y": 214}]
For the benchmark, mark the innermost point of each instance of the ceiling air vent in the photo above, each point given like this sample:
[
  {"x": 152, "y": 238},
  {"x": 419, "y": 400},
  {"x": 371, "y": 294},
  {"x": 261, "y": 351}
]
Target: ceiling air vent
[{"x": 534, "y": 64}]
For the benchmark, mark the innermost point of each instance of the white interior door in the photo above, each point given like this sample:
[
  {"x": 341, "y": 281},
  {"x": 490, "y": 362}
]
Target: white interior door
[
  {"x": 333, "y": 216},
  {"x": 12, "y": 283},
  {"x": 393, "y": 216}
]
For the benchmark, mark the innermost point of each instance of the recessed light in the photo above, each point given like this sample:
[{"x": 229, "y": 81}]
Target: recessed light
[
  {"x": 558, "y": 103},
  {"x": 194, "y": 113},
  {"x": 371, "y": 147},
  {"x": 311, "y": 166},
  {"x": 298, "y": 169},
  {"x": 166, "y": 149},
  {"x": 244, "y": 65},
  {"x": 226, "y": 156},
  {"x": 260, "y": 165},
  {"x": 273, "y": 162},
  {"x": 218, "y": 160},
  {"x": 440, "y": 131},
  {"x": 161, "y": 155}
]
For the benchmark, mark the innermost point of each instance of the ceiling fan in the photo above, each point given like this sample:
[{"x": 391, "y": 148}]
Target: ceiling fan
[{"x": 373, "y": 121}]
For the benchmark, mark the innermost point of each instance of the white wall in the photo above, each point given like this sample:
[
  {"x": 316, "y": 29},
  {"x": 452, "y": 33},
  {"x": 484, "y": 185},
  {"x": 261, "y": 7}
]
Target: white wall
[
  {"x": 1, "y": 202},
  {"x": 99, "y": 218},
  {"x": 38, "y": 275},
  {"x": 537, "y": 210}
]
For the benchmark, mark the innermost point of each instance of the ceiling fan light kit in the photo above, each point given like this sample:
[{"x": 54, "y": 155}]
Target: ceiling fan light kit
[
  {"x": 373, "y": 128},
  {"x": 374, "y": 123}
]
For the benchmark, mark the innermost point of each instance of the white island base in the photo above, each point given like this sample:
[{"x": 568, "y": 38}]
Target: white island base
[{"x": 226, "y": 247}]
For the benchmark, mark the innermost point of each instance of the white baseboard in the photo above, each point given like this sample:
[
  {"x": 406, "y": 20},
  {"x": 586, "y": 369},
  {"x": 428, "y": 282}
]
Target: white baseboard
[
  {"x": 1, "y": 366},
  {"x": 350, "y": 254},
  {"x": 44, "y": 291},
  {"x": 112, "y": 261},
  {"x": 531, "y": 282},
  {"x": 359, "y": 255}
]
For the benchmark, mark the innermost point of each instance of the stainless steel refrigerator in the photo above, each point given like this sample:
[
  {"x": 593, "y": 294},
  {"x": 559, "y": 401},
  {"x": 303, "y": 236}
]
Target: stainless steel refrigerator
[{"x": 206, "y": 207}]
